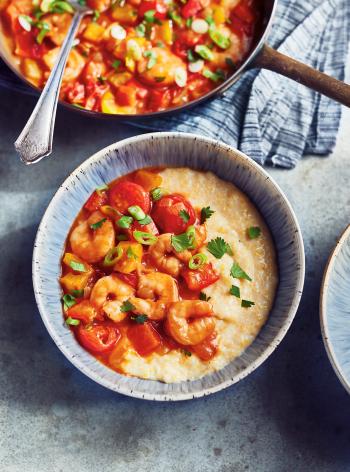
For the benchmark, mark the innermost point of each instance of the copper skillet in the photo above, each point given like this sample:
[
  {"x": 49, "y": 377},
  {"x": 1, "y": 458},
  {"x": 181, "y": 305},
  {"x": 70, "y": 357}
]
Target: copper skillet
[{"x": 261, "y": 56}]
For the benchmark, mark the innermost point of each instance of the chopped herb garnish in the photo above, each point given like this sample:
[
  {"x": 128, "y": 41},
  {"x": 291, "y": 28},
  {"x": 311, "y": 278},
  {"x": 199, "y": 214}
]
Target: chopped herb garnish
[
  {"x": 72, "y": 321},
  {"x": 189, "y": 22},
  {"x": 68, "y": 300},
  {"x": 214, "y": 76},
  {"x": 206, "y": 213},
  {"x": 116, "y": 64},
  {"x": 77, "y": 266},
  {"x": 247, "y": 303},
  {"x": 130, "y": 253},
  {"x": 44, "y": 28},
  {"x": 204, "y": 297},
  {"x": 145, "y": 238},
  {"x": 186, "y": 352},
  {"x": 125, "y": 222},
  {"x": 184, "y": 215},
  {"x": 149, "y": 16},
  {"x": 127, "y": 306},
  {"x": 136, "y": 212},
  {"x": 96, "y": 15},
  {"x": 238, "y": 273},
  {"x": 218, "y": 247},
  {"x": 112, "y": 256},
  {"x": 101, "y": 79},
  {"x": 82, "y": 2},
  {"x": 254, "y": 232},
  {"x": 209, "y": 20},
  {"x": 157, "y": 193},
  {"x": 77, "y": 293},
  {"x": 191, "y": 56},
  {"x": 139, "y": 319},
  {"x": 175, "y": 17},
  {"x": 159, "y": 79},
  {"x": 98, "y": 224},
  {"x": 152, "y": 61},
  {"x": 60, "y": 6},
  {"x": 197, "y": 261},
  {"x": 140, "y": 30},
  {"x": 235, "y": 291},
  {"x": 145, "y": 221},
  {"x": 219, "y": 39},
  {"x": 122, "y": 237},
  {"x": 181, "y": 242}
]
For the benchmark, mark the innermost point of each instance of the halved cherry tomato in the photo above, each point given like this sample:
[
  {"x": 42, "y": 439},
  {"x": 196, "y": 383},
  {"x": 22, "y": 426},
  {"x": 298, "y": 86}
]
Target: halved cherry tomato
[
  {"x": 185, "y": 40},
  {"x": 200, "y": 278},
  {"x": 144, "y": 338},
  {"x": 96, "y": 200},
  {"x": 125, "y": 193},
  {"x": 83, "y": 311},
  {"x": 150, "y": 228},
  {"x": 159, "y": 7},
  {"x": 207, "y": 349},
  {"x": 191, "y": 8},
  {"x": 131, "y": 279},
  {"x": 167, "y": 214},
  {"x": 98, "y": 338}
]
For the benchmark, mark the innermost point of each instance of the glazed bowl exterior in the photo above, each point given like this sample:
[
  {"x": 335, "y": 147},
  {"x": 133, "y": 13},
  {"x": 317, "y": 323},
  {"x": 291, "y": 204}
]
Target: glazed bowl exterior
[{"x": 169, "y": 150}]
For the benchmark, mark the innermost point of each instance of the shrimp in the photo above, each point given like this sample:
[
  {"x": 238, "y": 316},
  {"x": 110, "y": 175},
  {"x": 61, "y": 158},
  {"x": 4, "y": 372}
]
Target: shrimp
[
  {"x": 92, "y": 244},
  {"x": 193, "y": 332},
  {"x": 163, "y": 255},
  {"x": 167, "y": 66},
  {"x": 108, "y": 295},
  {"x": 156, "y": 290}
]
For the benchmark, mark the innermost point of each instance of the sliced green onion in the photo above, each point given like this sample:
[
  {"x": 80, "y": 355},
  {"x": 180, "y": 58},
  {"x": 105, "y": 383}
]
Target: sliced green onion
[
  {"x": 109, "y": 210},
  {"x": 204, "y": 52},
  {"x": 60, "y": 6},
  {"x": 219, "y": 39},
  {"x": 144, "y": 238},
  {"x": 68, "y": 300},
  {"x": 116, "y": 64},
  {"x": 102, "y": 187},
  {"x": 112, "y": 256},
  {"x": 72, "y": 321},
  {"x": 197, "y": 261},
  {"x": 96, "y": 15},
  {"x": 125, "y": 222},
  {"x": 175, "y": 17},
  {"x": 44, "y": 28},
  {"x": 136, "y": 212},
  {"x": 77, "y": 266},
  {"x": 157, "y": 193},
  {"x": 140, "y": 30},
  {"x": 139, "y": 319},
  {"x": 98, "y": 224},
  {"x": 145, "y": 221},
  {"x": 149, "y": 16},
  {"x": 214, "y": 76},
  {"x": 191, "y": 233}
]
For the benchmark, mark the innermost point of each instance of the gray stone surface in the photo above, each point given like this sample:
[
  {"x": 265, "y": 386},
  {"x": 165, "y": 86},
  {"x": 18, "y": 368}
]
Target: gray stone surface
[{"x": 292, "y": 414}]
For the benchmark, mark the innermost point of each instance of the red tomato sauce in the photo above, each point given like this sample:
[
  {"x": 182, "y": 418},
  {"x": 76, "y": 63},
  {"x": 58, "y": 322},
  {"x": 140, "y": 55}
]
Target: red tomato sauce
[
  {"x": 133, "y": 56},
  {"x": 108, "y": 339}
]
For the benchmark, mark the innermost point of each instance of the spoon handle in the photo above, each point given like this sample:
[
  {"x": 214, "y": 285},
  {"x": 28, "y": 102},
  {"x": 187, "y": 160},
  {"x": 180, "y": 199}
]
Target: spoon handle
[{"x": 35, "y": 140}]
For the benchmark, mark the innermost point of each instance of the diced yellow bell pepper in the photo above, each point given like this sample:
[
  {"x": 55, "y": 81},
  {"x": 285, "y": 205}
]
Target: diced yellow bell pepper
[
  {"x": 109, "y": 105},
  {"x": 70, "y": 257},
  {"x": 119, "y": 78},
  {"x": 166, "y": 32},
  {"x": 75, "y": 281},
  {"x": 125, "y": 15},
  {"x": 130, "y": 64},
  {"x": 148, "y": 180},
  {"x": 32, "y": 71},
  {"x": 219, "y": 15},
  {"x": 94, "y": 32},
  {"x": 131, "y": 257}
]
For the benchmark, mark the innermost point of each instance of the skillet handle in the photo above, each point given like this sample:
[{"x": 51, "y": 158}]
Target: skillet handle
[{"x": 271, "y": 59}]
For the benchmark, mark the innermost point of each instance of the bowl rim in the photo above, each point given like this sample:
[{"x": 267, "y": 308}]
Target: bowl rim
[
  {"x": 172, "y": 396},
  {"x": 323, "y": 307}
]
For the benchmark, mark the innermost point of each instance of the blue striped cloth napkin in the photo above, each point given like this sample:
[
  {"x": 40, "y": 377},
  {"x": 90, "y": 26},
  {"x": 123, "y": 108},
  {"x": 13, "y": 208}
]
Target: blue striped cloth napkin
[{"x": 269, "y": 117}]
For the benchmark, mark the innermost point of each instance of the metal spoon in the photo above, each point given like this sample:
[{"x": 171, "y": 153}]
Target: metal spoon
[{"x": 35, "y": 140}]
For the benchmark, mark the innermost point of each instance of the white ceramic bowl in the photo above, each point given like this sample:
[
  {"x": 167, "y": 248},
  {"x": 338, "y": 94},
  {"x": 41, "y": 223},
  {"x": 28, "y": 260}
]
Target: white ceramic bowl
[
  {"x": 335, "y": 308},
  {"x": 169, "y": 149}
]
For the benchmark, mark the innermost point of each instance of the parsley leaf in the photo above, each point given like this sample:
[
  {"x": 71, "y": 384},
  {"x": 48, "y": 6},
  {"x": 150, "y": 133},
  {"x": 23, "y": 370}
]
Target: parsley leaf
[
  {"x": 98, "y": 224},
  {"x": 139, "y": 319},
  {"x": 254, "y": 232},
  {"x": 77, "y": 266},
  {"x": 184, "y": 215},
  {"x": 181, "y": 242},
  {"x": 235, "y": 291},
  {"x": 127, "y": 306},
  {"x": 218, "y": 247},
  {"x": 116, "y": 64},
  {"x": 203, "y": 296},
  {"x": 186, "y": 352},
  {"x": 238, "y": 273},
  {"x": 247, "y": 303},
  {"x": 206, "y": 213}
]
